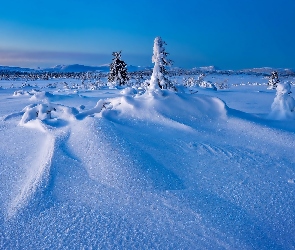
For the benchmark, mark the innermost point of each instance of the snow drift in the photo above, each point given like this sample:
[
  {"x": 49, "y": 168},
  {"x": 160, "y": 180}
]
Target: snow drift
[{"x": 118, "y": 169}]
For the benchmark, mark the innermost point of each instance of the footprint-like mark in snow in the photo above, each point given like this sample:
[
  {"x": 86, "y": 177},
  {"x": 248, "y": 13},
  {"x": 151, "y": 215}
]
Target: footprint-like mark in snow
[
  {"x": 212, "y": 150},
  {"x": 233, "y": 153}
]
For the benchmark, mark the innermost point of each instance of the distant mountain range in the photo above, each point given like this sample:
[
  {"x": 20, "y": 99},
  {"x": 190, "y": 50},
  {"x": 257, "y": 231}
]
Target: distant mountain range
[
  {"x": 8, "y": 68},
  {"x": 268, "y": 70},
  {"x": 131, "y": 68},
  {"x": 77, "y": 68},
  {"x": 207, "y": 68},
  {"x": 71, "y": 68}
]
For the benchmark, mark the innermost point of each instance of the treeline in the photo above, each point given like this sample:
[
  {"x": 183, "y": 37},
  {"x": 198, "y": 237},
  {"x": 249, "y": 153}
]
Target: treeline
[{"x": 33, "y": 76}]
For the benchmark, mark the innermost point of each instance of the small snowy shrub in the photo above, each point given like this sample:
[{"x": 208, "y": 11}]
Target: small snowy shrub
[
  {"x": 20, "y": 93},
  {"x": 138, "y": 80},
  {"x": 95, "y": 85},
  {"x": 51, "y": 85},
  {"x": 65, "y": 85},
  {"x": 99, "y": 83},
  {"x": 26, "y": 85},
  {"x": 189, "y": 82},
  {"x": 200, "y": 78},
  {"x": 222, "y": 85},
  {"x": 145, "y": 85},
  {"x": 112, "y": 85},
  {"x": 192, "y": 82},
  {"x": 207, "y": 85},
  {"x": 283, "y": 105}
]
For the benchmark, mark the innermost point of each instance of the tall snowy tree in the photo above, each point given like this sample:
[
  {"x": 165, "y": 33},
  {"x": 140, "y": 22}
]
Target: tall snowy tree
[
  {"x": 159, "y": 77},
  {"x": 118, "y": 70},
  {"x": 273, "y": 80}
]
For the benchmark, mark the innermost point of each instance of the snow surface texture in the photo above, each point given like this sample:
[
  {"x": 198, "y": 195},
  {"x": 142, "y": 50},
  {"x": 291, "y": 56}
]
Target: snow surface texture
[{"x": 113, "y": 169}]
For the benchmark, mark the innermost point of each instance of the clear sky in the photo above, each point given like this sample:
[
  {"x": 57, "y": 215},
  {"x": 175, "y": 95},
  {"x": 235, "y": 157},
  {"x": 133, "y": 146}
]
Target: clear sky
[{"x": 230, "y": 34}]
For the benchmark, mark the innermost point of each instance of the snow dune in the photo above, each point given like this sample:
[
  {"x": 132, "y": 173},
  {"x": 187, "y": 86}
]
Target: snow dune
[{"x": 161, "y": 170}]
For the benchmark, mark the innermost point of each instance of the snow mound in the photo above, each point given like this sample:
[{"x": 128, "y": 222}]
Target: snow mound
[
  {"x": 35, "y": 115},
  {"x": 129, "y": 91},
  {"x": 283, "y": 105},
  {"x": 41, "y": 95},
  {"x": 167, "y": 108}
]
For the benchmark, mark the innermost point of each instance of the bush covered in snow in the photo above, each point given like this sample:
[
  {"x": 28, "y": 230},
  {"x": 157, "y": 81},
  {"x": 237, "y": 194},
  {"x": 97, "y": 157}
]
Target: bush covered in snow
[
  {"x": 222, "y": 85},
  {"x": 20, "y": 93},
  {"x": 192, "y": 82},
  {"x": 208, "y": 85},
  {"x": 189, "y": 82}
]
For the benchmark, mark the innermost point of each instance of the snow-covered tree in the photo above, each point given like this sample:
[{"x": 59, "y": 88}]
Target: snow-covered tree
[
  {"x": 283, "y": 106},
  {"x": 118, "y": 70},
  {"x": 159, "y": 77},
  {"x": 273, "y": 80}
]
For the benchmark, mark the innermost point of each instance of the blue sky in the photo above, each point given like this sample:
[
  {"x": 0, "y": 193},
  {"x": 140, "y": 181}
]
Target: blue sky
[{"x": 229, "y": 34}]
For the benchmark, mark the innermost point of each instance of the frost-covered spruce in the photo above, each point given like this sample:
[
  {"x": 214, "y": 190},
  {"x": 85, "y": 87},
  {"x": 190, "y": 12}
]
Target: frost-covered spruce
[
  {"x": 118, "y": 70},
  {"x": 159, "y": 77},
  {"x": 283, "y": 106},
  {"x": 273, "y": 80}
]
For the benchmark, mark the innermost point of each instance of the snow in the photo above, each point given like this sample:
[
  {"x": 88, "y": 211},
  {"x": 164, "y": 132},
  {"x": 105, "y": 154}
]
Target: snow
[{"x": 158, "y": 169}]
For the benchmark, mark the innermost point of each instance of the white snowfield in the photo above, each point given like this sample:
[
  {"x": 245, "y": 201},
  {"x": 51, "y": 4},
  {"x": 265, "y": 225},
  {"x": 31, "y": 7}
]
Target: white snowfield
[{"x": 134, "y": 169}]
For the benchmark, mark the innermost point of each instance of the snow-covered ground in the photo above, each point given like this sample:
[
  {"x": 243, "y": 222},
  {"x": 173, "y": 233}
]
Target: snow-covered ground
[{"x": 124, "y": 169}]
